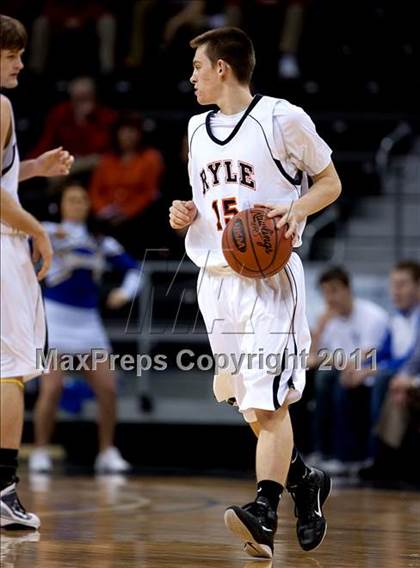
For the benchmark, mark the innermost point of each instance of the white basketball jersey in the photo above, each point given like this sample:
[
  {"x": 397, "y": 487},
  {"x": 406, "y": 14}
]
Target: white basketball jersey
[
  {"x": 10, "y": 172},
  {"x": 234, "y": 174}
]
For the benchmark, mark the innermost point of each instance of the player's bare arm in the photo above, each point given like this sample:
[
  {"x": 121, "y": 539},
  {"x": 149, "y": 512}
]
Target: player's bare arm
[
  {"x": 56, "y": 162},
  {"x": 12, "y": 213},
  {"x": 325, "y": 190},
  {"x": 182, "y": 214}
]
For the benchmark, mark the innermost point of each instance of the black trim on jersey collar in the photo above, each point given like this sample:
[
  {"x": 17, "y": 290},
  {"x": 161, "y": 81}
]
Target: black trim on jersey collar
[
  {"x": 252, "y": 104},
  {"x": 9, "y": 167}
]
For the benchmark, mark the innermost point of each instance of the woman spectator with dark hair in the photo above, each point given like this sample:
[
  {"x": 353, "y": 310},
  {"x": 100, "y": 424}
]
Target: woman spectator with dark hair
[
  {"x": 126, "y": 183},
  {"x": 71, "y": 295}
]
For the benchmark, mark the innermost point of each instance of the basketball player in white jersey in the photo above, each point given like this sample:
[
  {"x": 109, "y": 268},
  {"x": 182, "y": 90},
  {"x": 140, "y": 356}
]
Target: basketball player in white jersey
[
  {"x": 22, "y": 314},
  {"x": 256, "y": 150}
]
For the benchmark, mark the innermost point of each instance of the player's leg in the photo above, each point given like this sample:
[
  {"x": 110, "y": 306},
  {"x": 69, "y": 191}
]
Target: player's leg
[
  {"x": 258, "y": 392},
  {"x": 12, "y": 513},
  {"x": 214, "y": 294},
  {"x": 22, "y": 333},
  {"x": 305, "y": 484},
  {"x": 276, "y": 333},
  {"x": 297, "y": 469},
  {"x": 308, "y": 490},
  {"x": 256, "y": 522},
  {"x": 275, "y": 443},
  {"x": 11, "y": 421},
  {"x": 103, "y": 383},
  {"x": 45, "y": 411}
]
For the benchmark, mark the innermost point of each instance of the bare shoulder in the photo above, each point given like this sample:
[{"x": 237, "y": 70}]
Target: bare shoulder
[
  {"x": 6, "y": 113},
  {"x": 5, "y": 121},
  {"x": 6, "y": 105}
]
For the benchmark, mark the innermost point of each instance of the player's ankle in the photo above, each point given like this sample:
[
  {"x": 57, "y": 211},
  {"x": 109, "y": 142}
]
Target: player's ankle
[
  {"x": 298, "y": 469},
  {"x": 8, "y": 466},
  {"x": 271, "y": 490}
]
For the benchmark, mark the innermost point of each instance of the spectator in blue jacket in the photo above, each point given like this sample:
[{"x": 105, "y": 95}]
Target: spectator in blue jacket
[{"x": 400, "y": 338}]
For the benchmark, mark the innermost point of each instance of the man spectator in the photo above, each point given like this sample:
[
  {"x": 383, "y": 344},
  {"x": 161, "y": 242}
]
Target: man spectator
[
  {"x": 348, "y": 328},
  {"x": 398, "y": 427},
  {"x": 80, "y": 124},
  {"x": 400, "y": 339}
]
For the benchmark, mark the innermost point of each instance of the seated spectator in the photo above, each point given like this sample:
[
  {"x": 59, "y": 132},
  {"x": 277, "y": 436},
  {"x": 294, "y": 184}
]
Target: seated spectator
[
  {"x": 158, "y": 24},
  {"x": 71, "y": 22},
  {"x": 80, "y": 124},
  {"x": 404, "y": 402},
  {"x": 399, "y": 342},
  {"x": 126, "y": 183},
  {"x": 348, "y": 327},
  {"x": 277, "y": 29},
  {"x": 290, "y": 39},
  {"x": 398, "y": 427}
]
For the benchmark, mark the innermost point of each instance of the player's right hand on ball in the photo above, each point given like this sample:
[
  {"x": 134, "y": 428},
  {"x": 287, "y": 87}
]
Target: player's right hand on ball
[
  {"x": 182, "y": 214},
  {"x": 42, "y": 251}
]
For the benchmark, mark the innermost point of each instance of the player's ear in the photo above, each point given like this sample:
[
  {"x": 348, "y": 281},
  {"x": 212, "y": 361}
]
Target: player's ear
[{"x": 221, "y": 67}]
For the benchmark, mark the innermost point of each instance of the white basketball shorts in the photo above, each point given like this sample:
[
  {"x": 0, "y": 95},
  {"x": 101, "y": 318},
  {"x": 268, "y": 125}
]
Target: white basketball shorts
[
  {"x": 22, "y": 312},
  {"x": 259, "y": 334}
]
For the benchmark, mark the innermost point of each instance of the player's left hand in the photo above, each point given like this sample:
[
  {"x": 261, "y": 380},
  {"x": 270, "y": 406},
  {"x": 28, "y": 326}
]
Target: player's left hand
[
  {"x": 116, "y": 299},
  {"x": 290, "y": 215},
  {"x": 57, "y": 162}
]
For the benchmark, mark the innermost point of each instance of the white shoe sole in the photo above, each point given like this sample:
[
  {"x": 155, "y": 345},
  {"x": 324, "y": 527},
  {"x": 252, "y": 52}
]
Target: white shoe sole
[
  {"x": 8, "y": 523},
  {"x": 251, "y": 547}
]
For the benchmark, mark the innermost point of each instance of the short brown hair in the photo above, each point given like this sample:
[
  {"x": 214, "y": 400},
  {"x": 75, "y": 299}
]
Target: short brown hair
[
  {"x": 12, "y": 34},
  {"x": 335, "y": 274},
  {"x": 233, "y": 46},
  {"x": 410, "y": 266}
]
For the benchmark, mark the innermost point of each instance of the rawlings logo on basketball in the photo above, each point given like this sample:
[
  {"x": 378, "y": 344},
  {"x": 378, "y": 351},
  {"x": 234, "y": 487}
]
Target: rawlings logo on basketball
[
  {"x": 260, "y": 229},
  {"x": 252, "y": 246},
  {"x": 238, "y": 235}
]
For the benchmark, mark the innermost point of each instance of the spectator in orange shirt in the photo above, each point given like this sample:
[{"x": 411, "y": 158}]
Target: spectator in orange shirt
[
  {"x": 80, "y": 124},
  {"x": 126, "y": 183}
]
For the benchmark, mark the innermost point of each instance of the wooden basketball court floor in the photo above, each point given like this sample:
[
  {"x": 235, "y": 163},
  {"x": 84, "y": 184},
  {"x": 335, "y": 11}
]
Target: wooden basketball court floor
[{"x": 168, "y": 522}]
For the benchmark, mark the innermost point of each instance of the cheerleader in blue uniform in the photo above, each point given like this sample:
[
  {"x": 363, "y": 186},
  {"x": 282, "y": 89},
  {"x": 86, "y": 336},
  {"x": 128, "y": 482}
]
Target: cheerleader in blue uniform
[{"x": 74, "y": 324}]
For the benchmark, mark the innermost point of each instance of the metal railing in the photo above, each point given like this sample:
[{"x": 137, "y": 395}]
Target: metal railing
[{"x": 384, "y": 168}]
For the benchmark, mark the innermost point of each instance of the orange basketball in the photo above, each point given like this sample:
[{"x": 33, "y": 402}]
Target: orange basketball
[{"x": 253, "y": 246}]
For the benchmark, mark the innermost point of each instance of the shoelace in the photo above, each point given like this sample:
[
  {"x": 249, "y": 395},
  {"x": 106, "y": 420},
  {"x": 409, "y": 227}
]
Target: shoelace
[
  {"x": 304, "y": 496},
  {"x": 16, "y": 502},
  {"x": 18, "y": 505},
  {"x": 259, "y": 510}
]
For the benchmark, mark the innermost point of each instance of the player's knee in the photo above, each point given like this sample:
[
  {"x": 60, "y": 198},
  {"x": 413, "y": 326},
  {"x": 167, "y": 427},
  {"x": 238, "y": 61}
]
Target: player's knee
[{"x": 267, "y": 418}]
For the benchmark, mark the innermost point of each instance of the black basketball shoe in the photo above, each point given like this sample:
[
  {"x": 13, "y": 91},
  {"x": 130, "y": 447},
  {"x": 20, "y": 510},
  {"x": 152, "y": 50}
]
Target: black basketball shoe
[
  {"x": 309, "y": 496},
  {"x": 255, "y": 524},
  {"x": 12, "y": 512}
]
